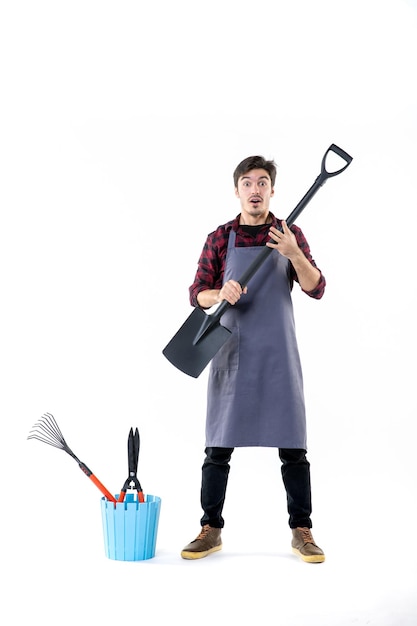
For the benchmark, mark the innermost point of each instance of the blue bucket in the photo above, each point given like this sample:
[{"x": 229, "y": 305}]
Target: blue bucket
[{"x": 130, "y": 528}]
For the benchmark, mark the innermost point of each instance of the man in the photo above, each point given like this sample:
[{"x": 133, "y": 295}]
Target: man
[{"x": 255, "y": 387}]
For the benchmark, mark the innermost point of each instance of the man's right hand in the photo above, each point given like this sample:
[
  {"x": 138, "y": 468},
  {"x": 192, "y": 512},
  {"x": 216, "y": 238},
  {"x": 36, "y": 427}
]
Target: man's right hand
[{"x": 231, "y": 291}]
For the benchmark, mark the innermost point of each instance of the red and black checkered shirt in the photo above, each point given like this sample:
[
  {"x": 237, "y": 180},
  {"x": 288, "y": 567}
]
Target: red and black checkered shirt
[{"x": 212, "y": 260}]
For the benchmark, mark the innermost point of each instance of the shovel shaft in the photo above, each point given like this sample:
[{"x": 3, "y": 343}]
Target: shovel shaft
[
  {"x": 264, "y": 254},
  {"x": 319, "y": 182}
]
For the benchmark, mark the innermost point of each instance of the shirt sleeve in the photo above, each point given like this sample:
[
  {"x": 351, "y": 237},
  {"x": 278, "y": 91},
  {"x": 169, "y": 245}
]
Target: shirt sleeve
[
  {"x": 318, "y": 291},
  {"x": 210, "y": 267}
]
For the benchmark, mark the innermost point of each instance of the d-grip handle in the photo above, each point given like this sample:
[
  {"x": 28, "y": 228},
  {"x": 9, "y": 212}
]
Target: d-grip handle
[
  {"x": 343, "y": 155},
  {"x": 320, "y": 180}
]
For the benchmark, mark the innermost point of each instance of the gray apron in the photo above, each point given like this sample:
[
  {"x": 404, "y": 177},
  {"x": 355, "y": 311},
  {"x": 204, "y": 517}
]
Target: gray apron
[{"x": 255, "y": 386}]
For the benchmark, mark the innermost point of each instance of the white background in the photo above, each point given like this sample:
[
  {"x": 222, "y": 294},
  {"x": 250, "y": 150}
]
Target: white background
[{"x": 121, "y": 125}]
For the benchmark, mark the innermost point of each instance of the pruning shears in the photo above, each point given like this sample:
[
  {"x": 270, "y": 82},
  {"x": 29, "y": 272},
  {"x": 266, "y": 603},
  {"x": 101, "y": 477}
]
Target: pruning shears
[{"x": 132, "y": 482}]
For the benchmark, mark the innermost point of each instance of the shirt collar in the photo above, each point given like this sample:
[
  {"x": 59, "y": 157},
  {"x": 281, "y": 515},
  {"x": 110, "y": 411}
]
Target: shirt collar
[{"x": 235, "y": 223}]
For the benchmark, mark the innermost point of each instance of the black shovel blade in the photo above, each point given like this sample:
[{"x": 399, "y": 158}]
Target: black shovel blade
[{"x": 191, "y": 356}]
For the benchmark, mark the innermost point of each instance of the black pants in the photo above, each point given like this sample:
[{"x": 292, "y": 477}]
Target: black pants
[{"x": 295, "y": 471}]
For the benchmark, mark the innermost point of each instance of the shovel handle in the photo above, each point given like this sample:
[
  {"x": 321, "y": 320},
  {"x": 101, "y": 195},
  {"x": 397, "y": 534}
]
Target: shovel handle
[
  {"x": 262, "y": 256},
  {"x": 319, "y": 182},
  {"x": 343, "y": 155}
]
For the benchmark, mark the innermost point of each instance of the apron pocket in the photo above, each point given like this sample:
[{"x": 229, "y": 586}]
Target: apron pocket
[{"x": 227, "y": 358}]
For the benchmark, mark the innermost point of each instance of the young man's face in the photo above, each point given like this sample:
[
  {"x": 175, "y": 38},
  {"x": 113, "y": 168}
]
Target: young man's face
[{"x": 254, "y": 190}]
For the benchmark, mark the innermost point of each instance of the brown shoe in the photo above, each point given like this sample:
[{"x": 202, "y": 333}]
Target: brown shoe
[
  {"x": 303, "y": 545},
  {"x": 208, "y": 541}
]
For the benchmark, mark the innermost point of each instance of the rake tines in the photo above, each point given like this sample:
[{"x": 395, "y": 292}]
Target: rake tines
[{"x": 48, "y": 431}]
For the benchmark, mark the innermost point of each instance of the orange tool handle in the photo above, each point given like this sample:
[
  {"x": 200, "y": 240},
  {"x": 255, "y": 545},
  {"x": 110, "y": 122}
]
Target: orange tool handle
[
  {"x": 102, "y": 488},
  {"x": 96, "y": 481},
  {"x": 141, "y": 497}
]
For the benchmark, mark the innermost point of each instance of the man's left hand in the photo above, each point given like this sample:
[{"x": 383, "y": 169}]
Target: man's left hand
[{"x": 285, "y": 241}]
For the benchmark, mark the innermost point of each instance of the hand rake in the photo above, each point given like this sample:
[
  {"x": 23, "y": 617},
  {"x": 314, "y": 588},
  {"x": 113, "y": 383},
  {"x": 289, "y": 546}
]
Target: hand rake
[{"x": 47, "y": 431}]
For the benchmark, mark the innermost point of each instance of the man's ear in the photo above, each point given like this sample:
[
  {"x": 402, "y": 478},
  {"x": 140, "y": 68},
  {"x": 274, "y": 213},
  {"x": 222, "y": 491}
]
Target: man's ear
[
  {"x": 236, "y": 192},
  {"x": 272, "y": 191}
]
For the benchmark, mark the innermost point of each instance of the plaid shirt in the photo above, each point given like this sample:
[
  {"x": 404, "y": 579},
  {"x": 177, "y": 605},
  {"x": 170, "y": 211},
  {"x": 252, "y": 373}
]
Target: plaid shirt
[{"x": 212, "y": 260}]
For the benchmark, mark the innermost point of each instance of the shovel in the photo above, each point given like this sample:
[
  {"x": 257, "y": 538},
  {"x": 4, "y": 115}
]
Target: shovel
[{"x": 201, "y": 336}]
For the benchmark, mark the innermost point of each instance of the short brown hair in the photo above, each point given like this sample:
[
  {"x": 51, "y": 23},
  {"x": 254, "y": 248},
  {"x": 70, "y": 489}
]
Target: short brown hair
[{"x": 255, "y": 163}]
